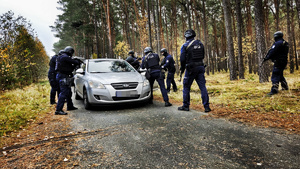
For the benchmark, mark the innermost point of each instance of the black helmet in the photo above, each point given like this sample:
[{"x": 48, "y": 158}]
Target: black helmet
[
  {"x": 69, "y": 50},
  {"x": 163, "y": 50},
  {"x": 278, "y": 34},
  {"x": 60, "y": 52},
  {"x": 189, "y": 33},
  {"x": 147, "y": 50},
  {"x": 130, "y": 52}
]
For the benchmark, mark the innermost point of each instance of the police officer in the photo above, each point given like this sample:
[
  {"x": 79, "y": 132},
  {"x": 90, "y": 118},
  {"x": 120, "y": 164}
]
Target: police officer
[
  {"x": 191, "y": 59},
  {"x": 278, "y": 54},
  {"x": 65, "y": 66},
  {"x": 168, "y": 64},
  {"x": 52, "y": 78},
  {"x": 151, "y": 63},
  {"x": 134, "y": 61}
]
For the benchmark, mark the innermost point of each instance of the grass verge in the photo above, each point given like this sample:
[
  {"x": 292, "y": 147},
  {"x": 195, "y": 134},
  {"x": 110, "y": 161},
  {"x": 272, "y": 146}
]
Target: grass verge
[
  {"x": 245, "y": 100},
  {"x": 21, "y": 107}
]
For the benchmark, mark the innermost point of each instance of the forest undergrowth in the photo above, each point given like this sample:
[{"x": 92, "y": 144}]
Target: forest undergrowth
[{"x": 245, "y": 100}]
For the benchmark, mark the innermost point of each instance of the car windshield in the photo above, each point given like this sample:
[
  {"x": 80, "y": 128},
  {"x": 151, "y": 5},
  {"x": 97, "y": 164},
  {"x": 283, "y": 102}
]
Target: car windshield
[{"x": 108, "y": 66}]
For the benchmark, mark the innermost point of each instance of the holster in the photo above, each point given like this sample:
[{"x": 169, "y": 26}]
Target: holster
[{"x": 68, "y": 81}]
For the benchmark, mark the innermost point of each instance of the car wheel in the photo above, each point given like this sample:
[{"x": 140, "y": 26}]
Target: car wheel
[
  {"x": 77, "y": 97},
  {"x": 86, "y": 102}
]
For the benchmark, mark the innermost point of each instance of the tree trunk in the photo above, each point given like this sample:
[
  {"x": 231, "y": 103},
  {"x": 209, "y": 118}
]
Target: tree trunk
[
  {"x": 290, "y": 38},
  {"x": 126, "y": 21},
  {"x": 294, "y": 38},
  {"x": 206, "y": 58},
  {"x": 108, "y": 21},
  {"x": 229, "y": 35},
  {"x": 149, "y": 25},
  {"x": 161, "y": 33},
  {"x": 239, "y": 36},
  {"x": 96, "y": 30},
  {"x": 217, "y": 56},
  {"x": 188, "y": 13},
  {"x": 249, "y": 34},
  {"x": 276, "y": 4},
  {"x": 260, "y": 41},
  {"x": 298, "y": 16},
  {"x": 266, "y": 15}
]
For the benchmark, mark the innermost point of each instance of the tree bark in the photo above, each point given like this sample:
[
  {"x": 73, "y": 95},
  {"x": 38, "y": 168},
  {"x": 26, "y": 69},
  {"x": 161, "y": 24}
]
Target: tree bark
[
  {"x": 229, "y": 35},
  {"x": 249, "y": 34},
  {"x": 276, "y": 4},
  {"x": 206, "y": 58},
  {"x": 149, "y": 24},
  {"x": 290, "y": 38},
  {"x": 260, "y": 41},
  {"x": 239, "y": 36}
]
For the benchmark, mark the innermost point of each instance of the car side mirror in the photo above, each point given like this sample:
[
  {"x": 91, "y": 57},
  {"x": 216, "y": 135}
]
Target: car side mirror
[{"x": 80, "y": 71}]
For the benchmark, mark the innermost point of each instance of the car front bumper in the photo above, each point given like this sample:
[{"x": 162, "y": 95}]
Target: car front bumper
[{"x": 109, "y": 95}]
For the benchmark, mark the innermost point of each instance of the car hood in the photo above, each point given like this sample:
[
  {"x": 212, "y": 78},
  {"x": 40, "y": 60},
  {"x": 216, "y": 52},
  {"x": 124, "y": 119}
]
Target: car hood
[{"x": 108, "y": 78}]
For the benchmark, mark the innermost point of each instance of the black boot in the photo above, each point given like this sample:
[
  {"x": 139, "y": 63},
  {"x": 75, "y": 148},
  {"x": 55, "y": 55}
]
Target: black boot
[
  {"x": 60, "y": 112},
  {"x": 167, "y": 104},
  {"x": 207, "y": 109},
  {"x": 183, "y": 108}
]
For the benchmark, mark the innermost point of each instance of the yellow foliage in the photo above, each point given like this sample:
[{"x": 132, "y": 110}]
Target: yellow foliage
[
  {"x": 121, "y": 49},
  {"x": 247, "y": 46}
]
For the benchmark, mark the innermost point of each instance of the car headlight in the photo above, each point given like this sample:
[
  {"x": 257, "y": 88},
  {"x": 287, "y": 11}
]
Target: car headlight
[
  {"x": 95, "y": 84},
  {"x": 146, "y": 83}
]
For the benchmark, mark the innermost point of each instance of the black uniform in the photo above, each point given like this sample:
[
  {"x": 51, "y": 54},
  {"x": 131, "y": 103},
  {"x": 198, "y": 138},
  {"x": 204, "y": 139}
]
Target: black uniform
[
  {"x": 151, "y": 63},
  {"x": 278, "y": 54},
  {"x": 65, "y": 66},
  {"x": 52, "y": 80}
]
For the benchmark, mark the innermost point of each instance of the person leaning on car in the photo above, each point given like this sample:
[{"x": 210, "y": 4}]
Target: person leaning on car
[
  {"x": 134, "y": 61},
  {"x": 151, "y": 63},
  {"x": 65, "y": 66}
]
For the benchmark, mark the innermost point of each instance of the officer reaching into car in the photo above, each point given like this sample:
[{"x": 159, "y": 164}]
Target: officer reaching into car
[
  {"x": 168, "y": 64},
  {"x": 191, "y": 59},
  {"x": 134, "y": 61},
  {"x": 52, "y": 78},
  {"x": 278, "y": 54},
  {"x": 151, "y": 63},
  {"x": 65, "y": 66}
]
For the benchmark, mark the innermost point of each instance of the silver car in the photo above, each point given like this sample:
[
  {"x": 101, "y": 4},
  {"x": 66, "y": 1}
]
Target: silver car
[{"x": 108, "y": 82}]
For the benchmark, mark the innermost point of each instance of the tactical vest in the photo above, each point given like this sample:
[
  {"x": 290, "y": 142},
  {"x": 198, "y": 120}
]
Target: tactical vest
[
  {"x": 58, "y": 63},
  {"x": 282, "y": 56},
  {"x": 152, "y": 62},
  {"x": 195, "y": 52}
]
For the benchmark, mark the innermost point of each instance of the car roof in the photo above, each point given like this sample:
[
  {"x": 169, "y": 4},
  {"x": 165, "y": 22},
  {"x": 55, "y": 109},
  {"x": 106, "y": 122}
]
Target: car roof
[{"x": 104, "y": 59}]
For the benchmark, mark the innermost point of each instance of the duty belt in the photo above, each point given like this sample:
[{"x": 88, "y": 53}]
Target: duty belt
[
  {"x": 66, "y": 75},
  {"x": 194, "y": 64}
]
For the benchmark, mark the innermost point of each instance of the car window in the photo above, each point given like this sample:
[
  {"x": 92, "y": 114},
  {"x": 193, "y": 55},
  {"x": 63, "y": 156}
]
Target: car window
[{"x": 108, "y": 66}]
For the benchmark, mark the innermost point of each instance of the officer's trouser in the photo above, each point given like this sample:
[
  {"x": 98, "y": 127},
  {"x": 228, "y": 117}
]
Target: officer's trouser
[
  {"x": 65, "y": 93},
  {"x": 156, "y": 76},
  {"x": 54, "y": 87},
  {"x": 190, "y": 75},
  {"x": 170, "y": 80},
  {"x": 277, "y": 76}
]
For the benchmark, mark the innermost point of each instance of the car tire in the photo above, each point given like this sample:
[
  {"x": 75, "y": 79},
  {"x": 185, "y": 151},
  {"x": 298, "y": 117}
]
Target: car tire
[
  {"x": 86, "y": 102},
  {"x": 77, "y": 97}
]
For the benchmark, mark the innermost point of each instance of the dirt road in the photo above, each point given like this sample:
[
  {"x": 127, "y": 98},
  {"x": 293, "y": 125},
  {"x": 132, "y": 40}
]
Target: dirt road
[{"x": 152, "y": 136}]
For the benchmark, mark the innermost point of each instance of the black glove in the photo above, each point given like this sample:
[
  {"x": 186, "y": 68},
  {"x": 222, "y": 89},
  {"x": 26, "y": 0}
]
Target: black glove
[{"x": 79, "y": 61}]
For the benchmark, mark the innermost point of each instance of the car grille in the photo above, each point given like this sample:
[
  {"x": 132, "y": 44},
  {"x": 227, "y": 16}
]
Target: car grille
[
  {"x": 120, "y": 86},
  {"x": 125, "y": 98}
]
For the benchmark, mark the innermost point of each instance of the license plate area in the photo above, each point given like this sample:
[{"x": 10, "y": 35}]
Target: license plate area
[{"x": 132, "y": 93}]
